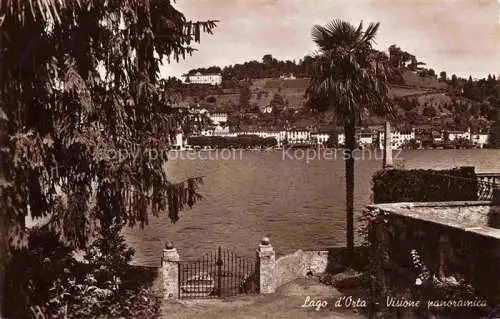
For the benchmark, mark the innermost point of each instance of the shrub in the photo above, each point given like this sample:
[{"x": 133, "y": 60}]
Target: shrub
[
  {"x": 32, "y": 271},
  {"x": 45, "y": 281},
  {"x": 242, "y": 141},
  {"x": 109, "y": 255},
  {"x": 211, "y": 99},
  {"x": 392, "y": 186},
  {"x": 429, "y": 111}
]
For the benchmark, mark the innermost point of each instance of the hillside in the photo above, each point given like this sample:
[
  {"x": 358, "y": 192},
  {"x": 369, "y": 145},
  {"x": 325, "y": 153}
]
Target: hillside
[
  {"x": 418, "y": 100},
  {"x": 415, "y": 80},
  {"x": 292, "y": 91}
]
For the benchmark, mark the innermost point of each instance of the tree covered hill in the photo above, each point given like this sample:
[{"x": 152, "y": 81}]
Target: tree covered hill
[{"x": 420, "y": 94}]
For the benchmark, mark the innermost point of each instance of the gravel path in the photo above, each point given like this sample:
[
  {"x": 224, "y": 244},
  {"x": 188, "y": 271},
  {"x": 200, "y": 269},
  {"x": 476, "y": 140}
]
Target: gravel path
[{"x": 286, "y": 303}]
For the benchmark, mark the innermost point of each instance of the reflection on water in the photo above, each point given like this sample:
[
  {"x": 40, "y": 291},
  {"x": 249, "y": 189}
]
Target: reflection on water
[{"x": 298, "y": 203}]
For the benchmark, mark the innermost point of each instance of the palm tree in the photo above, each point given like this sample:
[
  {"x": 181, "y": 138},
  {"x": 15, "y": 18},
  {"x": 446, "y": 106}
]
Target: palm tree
[{"x": 349, "y": 79}]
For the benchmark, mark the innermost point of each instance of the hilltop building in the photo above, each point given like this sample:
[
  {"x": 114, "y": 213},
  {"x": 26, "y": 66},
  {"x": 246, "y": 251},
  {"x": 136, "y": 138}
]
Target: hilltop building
[
  {"x": 287, "y": 76},
  {"x": 267, "y": 110},
  {"x": 199, "y": 78},
  {"x": 218, "y": 118}
]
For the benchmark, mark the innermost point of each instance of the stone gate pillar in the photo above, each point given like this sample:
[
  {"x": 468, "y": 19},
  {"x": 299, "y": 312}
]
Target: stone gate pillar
[
  {"x": 170, "y": 271},
  {"x": 266, "y": 263}
]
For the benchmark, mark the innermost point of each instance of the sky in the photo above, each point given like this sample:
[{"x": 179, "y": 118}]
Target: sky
[{"x": 460, "y": 37}]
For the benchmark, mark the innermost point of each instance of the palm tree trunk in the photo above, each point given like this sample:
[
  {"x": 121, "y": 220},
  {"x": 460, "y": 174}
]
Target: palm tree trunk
[
  {"x": 4, "y": 254},
  {"x": 350, "y": 141},
  {"x": 4, "y": 220}
]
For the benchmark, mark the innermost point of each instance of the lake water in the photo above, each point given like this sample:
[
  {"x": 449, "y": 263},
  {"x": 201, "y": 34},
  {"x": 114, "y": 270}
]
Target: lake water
[{"x": 298, "y": 202}]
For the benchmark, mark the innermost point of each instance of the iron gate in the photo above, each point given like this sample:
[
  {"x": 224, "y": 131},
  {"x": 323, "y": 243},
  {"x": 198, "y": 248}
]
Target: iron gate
[{"x": 220, "y": 273}]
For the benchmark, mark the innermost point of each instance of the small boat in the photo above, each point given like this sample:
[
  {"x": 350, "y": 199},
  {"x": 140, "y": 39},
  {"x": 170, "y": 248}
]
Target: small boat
[{"x": 201, "y": 284}]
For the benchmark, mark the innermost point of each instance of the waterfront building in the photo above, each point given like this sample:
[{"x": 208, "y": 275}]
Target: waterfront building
[
  {"x": 298, "y": 137},
  {"x": 341, "y": 139},
  {"x": 479, "y": 139},
  {"x": 320, "y": 138},
  {"x": 454, "y": 135},
  {"x": 364, "y": 138},
  {"x": 292, "y": 137},
  {"x": 398, "y": 138},
  {"x": 437, "y": 137}
]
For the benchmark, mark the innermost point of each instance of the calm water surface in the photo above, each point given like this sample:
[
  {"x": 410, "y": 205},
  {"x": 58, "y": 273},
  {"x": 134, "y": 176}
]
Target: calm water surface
[{"x": 298, "y": 203}]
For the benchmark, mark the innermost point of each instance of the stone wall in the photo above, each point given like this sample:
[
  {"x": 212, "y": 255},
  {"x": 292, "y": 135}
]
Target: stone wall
[
  {"x": 300, "y": 264},
  {"x": 458, "y": 244},
  {"x": 270, "y": 272}
]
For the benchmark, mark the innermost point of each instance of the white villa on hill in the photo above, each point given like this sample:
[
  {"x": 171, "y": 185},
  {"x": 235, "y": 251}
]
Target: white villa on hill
[
  {"x": 268, "y": 110},
  {"x": 218, "y": 118},
  {"x": 199, "y": 78},
  {"x": 287, "y": 77}
]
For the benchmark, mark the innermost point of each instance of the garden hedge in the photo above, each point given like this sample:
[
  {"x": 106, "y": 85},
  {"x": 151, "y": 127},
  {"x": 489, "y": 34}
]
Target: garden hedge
[
  {"x": 241, "y": 141},
  {"x": 418, "y": 185}
]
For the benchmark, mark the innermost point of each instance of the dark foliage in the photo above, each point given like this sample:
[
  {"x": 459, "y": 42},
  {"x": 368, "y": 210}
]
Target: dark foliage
[
  {"x": 44, "y": 278},
  {"x": 242, "y": 141},
  {"x": 211, "y": 99},
  {"x": 60, "y": 117},
  {"x": 392, "y": 186},
  {"x": 429, "y": 111},
  {"x": 494, "y": 137},
  {"x": 406, "y": 103},
  {"x": 33, "y": 270},
  {"x": 63, "y": 118}
]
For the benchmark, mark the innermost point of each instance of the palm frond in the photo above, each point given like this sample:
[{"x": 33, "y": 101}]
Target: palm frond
[
  {"x": 371, "y": 32},
  {"x": 359, "y": 30},
  {"x": 320, "y": 36},
  {"x": 348, "y": 75}
]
